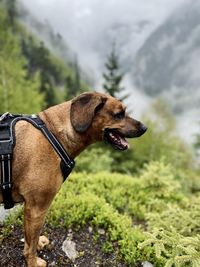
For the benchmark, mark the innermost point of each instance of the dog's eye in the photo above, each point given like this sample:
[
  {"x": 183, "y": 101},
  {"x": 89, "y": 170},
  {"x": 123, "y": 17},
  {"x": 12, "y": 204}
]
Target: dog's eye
[{"x": 120, "y": 115}]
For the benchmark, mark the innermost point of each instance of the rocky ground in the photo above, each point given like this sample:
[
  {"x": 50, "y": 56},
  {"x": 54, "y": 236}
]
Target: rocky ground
[{"x": 88, "y": 248}]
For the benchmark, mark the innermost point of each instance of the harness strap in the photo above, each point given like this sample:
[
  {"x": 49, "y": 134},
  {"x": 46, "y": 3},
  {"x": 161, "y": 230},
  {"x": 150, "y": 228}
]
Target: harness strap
[
  {"x": 58, "y": 147},
  {"x": 5, "y": 162},
  {"x": 6, "y": 177},
  {"x": 7, "y": 142},
  {"x": 66, "y": 164}
]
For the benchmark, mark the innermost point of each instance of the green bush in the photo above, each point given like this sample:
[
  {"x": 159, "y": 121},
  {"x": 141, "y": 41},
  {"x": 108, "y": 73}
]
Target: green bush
[
  {"x": 150, "y": 217},
  {"x": 76, "y": 210},
  {"x": 158, "y": 144},
  {"x": 175, "y": 249},
  {"x": 94, "y": 160}
]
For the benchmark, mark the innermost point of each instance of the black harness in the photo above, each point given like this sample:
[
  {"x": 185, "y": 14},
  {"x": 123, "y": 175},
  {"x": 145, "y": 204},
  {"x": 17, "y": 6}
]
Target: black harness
[{"x": 7, "y": 143}]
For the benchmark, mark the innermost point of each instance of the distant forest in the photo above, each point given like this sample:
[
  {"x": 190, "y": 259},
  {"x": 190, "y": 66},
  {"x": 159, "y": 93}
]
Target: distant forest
[{"x": 31, "y": 76}]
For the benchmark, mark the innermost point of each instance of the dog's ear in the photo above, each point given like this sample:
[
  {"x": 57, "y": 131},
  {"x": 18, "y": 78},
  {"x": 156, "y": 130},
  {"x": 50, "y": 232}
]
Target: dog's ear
[{"x": 83, "y": 110}]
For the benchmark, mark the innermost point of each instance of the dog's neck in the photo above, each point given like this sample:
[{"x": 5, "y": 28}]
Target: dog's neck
[{"x": 57, "y": 119}]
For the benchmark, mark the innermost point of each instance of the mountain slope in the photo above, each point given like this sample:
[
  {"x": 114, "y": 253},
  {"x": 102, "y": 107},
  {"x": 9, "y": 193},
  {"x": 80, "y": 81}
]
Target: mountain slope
[
  {"x": 168, "y": 62},
  {"x": 31, "y": 60}
]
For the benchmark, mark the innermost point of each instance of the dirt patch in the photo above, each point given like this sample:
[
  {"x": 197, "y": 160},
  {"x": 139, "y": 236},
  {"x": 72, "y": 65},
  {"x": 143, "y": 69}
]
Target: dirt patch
[{"x": 88, "y": 245}]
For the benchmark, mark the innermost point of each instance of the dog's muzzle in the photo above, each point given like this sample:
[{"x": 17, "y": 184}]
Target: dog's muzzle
[
  {"x": 118, "y": 139},
  {"x": 136, "y": 133}
]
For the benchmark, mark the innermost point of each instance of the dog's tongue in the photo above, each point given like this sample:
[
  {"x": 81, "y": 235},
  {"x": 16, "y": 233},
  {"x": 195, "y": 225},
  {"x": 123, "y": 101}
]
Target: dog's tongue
[
  {"x": 119, "y": 141},
  {"x": 124, "y": 143}
]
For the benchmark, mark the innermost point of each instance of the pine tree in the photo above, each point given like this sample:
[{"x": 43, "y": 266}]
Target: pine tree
[
  {"x": 73, "y": 82},
  {"x": 113, "y": 77},
  {"x": 77, "y": 78},
  {"x": 38, "y": 60},
  {"x": 11, "y": 10},
  {"x": 197, "y": 142}
]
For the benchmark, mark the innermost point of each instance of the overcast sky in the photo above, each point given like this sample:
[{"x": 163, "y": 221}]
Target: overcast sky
[{"x": 89, "y": 25}]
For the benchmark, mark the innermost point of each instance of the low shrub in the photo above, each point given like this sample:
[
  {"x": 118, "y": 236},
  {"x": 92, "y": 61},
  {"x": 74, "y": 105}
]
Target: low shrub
[{"x": 150, "y": 217}]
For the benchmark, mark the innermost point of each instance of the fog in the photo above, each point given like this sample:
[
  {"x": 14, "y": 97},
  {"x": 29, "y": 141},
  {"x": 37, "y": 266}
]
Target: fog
[{"x": 91, "y": 26}]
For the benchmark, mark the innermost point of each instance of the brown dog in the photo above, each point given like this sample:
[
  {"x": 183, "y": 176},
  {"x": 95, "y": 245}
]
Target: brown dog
[{"x": 37, "y": 177}]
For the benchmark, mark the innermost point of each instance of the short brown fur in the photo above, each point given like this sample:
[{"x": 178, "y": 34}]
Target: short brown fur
[{"x": 36, "y": 170}]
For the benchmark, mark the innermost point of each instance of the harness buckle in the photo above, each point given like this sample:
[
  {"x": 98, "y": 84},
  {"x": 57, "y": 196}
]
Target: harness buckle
[
  {"x": 71, "y": 164},
  {"x": 6, "y": 185}
]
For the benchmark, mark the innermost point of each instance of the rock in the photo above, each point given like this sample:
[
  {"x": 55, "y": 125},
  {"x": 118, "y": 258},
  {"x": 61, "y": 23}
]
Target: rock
[
  {"x": 147, "y": 264},
  {"x": 90, "y": 229},
  {"x": 4, "y": 213},
  {"x": 69, "y": 247},
  {"x": 53, "y": 263},
  {"x": 101, "y": 231}
]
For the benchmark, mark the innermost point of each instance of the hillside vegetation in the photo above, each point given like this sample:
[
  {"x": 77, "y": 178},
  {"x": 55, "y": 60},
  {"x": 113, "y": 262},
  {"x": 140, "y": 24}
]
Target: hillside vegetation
[
  {"x": 31, "y": 77},
  {"x": 148, "y": 217},
  {"x": 142, "y": 204}
]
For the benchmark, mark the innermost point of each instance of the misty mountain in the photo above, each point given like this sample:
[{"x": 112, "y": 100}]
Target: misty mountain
[
  {"x": 46, "y": 33},
  {"x": 168, "y": 62},
  {"x": 52, "y": 39}
]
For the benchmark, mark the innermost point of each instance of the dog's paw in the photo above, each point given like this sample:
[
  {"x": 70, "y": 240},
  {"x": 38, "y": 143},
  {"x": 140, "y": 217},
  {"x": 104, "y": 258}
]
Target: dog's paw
[
  {"x": 43, "y": 241},
  {"x": 41, "y": 262}
]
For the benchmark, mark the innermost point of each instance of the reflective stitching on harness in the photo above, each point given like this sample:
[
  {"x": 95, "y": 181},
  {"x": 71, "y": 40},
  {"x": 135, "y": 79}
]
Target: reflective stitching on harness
[
  {"x": 66, "y": 164},
  {"x": 3, "y": 116},
  {"x": 9, "y": 170},
  {"x": 5, "y": 141},
  {"x": 6, "y": 162},
  {"x": 3, "y": 168},
  {"x": 44, "y": 132},
  {"x": 11, "y": 127},
  {"x": 56, "y": 148}
]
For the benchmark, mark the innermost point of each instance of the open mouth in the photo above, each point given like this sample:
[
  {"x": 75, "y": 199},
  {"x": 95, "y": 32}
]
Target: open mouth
[{"x": 116, "y": 139}]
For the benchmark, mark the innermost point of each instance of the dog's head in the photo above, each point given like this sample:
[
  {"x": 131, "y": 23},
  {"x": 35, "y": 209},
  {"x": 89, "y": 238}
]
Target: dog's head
[{"x": 103, "y": 117}]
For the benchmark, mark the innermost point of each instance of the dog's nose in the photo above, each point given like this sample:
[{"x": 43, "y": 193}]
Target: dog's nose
[{"x": 143, "y": 128}]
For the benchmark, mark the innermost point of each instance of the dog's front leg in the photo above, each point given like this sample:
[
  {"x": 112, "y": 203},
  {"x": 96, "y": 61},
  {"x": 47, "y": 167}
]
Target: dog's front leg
[{"x": 33, "y": 221}]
